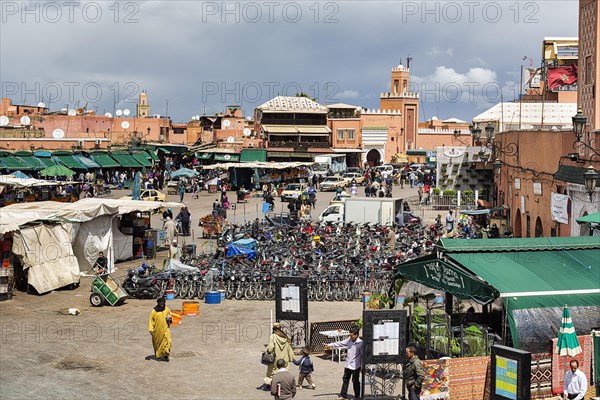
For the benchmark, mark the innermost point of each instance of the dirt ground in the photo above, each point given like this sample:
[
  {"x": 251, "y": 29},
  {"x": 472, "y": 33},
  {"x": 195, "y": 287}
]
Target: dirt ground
[{"x": 104, "y": 352}]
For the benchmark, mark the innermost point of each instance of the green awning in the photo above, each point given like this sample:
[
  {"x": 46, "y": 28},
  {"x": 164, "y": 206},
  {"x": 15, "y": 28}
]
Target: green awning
[
  {"x": 125, "y": 160},
  {"x": 439, "y": 274},
  {"x": 253, "y": 155},
  {"x": 68, "y": 161},
  {"x": 28, "y": 158},
  {"x": 47, "y": 161},
  {"x": 88, "y": 162},
  {"x": 204, "y": 156},
  {"x": 11, "y": 163},
  {"x": 152, "y": 155},
  {"x": 142, "y": 159},
  {"x": 104, "y": 160},
  {"x": 227, "y": 157},
  {"x": 589, "y": 219},
  {"x": 528, "y": 274}
]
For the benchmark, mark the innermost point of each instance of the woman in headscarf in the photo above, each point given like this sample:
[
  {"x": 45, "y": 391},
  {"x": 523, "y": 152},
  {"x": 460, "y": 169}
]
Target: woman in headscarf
[
  {"x": 160, "y": 330},
  {"x": 280, "y": 345}
]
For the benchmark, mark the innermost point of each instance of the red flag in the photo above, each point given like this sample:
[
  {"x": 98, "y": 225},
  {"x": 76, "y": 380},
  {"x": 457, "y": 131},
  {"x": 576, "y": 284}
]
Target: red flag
[{"x": 562, "y": 76}]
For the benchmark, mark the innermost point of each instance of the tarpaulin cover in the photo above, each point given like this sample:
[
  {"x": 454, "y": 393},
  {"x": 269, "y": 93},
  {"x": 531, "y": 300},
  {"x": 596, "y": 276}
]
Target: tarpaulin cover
[
  {"x": 47, "y": 254},
  {"x": 247, "y": 243},
  {"x": 92, "y": 237},
  {"x": 535, "y": 327},
  {"x": 233, "y": 250}
]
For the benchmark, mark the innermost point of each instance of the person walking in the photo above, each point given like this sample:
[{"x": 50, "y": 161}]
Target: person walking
[
  {"x": 283, "y": 385},
  {"x": 449, "y": 222},
  {"x": 413, "y": 374},
  {"x": 280, "y": 346},
  {"x": 184, "y": 217},
  {"x": 171, "y": 230},
  {"x": 576, "y": 384},
  {"x": 181, "y": 191},
  {"x": 306, "y": 369},
  {"x": 354, "y": 360},
  {"x": 159, "y": 327}
]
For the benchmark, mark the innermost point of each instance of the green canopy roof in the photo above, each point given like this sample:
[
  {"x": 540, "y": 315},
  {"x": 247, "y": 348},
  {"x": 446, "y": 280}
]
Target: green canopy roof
[
  {"x": 125, "y": 159},
  {"x": 29, "y": 159},
  {"x": 152, "y": 155},
  {"x": 66, "y": 158},
  {"x": 142, "y": 158},
  {"x": 589, "y": 219},
  {"x": 12, "y": 163},
  {"x": 104, "y": 160},
  {"x": 529, "y": 273},
  {"x": 204, "y": 156},
  {"x": 88, "y": 162}
]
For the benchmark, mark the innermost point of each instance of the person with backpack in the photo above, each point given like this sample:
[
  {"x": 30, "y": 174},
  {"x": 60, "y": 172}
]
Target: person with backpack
[{"x": 306, "y": 369}]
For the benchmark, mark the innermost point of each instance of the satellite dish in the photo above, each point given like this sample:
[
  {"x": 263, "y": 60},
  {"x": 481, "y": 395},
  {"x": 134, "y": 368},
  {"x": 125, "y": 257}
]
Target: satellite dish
[
  {"x": 126, "y": 112},
  {"x": 197, "y": 118},
  {"x": 247, "y": 132},
  {"x": 119, "y": 113},
  {"x": 41, "y": 104},
  {"x": 58, "y": 133},
  {"x": 25, "y": 120},
  {"x": 4, "y": 120},
  {"x": 124, "y": 124},
  {"x": 109, "y": 115},
  {"x": 72, "y": 113},
  {"x": 230, "y": 139},
  {"x": 226, "y": 123},
  {"x": 248, "y": 118}
]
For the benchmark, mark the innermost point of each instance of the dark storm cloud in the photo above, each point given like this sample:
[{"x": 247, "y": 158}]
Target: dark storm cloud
[{"x": 198, "y": 55}]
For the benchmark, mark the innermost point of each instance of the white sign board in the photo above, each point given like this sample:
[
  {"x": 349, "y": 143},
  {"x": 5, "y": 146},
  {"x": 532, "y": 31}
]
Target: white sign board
[
  {"x": 290, "y": 299},
  {"x": 522, "y": 204},
  {"x": 385, "y": 338},
  {"x": 537, "y": 188},
  {"x": 559, "y": 208},
  {"x": 517, "y": 183}
]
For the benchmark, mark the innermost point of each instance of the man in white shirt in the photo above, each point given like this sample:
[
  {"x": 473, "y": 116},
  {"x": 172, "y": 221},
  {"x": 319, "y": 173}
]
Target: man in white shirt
[
  {"x": 354, "y": 362},
  {"x": 575, "y": 382}
]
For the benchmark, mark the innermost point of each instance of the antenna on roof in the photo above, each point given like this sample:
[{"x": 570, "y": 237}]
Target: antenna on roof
[{"x": 408, "y": 60}]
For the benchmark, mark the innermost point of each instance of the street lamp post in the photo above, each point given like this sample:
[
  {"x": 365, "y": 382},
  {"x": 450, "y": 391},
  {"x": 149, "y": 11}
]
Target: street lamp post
[
  {"x": 579, "y": 123},
  {"x": 591, "y": 180}
]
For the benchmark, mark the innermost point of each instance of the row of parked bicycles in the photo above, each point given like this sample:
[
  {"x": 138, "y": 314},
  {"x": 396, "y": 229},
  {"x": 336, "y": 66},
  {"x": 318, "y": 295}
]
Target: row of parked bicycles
[{"x": 339, "y": 262}]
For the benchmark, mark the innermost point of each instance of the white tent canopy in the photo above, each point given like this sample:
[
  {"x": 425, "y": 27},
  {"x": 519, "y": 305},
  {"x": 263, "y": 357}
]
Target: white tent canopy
[{"x": 71, "y": 237}]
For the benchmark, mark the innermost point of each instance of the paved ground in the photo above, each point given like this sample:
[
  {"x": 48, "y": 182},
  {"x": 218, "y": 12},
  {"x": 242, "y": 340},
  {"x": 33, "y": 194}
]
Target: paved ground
[{"x": 103, "y": 352}]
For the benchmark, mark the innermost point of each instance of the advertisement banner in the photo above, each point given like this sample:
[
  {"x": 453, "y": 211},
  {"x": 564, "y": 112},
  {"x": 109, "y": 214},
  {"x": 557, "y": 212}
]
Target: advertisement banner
[{"x": 559, "y": 208}]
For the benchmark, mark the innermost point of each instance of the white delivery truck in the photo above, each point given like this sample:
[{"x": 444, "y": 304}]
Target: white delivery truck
[{"x": 359, "y": 210}]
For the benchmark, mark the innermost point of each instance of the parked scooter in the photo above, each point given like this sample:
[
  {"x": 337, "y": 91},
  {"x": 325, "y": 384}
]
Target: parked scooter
[{"x": 142, "y": 287}]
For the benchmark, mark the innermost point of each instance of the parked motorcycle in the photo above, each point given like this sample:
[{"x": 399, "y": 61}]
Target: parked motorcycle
[{"x": 142, "y": 287}]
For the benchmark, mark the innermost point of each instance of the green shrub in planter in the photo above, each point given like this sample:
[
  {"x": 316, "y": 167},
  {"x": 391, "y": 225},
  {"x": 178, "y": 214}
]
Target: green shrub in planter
[
  {"x": 436, "y": 191},
  {"x": 450, "y": 192}
]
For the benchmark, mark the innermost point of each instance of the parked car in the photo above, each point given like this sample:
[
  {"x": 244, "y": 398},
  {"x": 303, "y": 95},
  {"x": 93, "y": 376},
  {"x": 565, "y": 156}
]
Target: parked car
[
  {"x": 332, "y": 183},
  {"x": 356, "y": 170},
  {"x": 148, "y": 195},
  {"x": 349, "y": 176},
  {"x": 292, "y": 191}
]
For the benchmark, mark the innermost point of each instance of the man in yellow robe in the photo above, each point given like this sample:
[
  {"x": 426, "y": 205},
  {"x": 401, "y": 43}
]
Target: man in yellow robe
[{"x": 159, "y": 327}]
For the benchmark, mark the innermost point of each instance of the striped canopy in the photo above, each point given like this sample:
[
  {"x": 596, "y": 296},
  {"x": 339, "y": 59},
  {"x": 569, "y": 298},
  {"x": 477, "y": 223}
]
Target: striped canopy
[{"x": 568, "y": 344}]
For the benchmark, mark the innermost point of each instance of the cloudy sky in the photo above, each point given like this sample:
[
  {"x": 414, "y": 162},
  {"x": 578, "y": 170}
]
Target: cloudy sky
[{"x": 192, "y": 56}]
